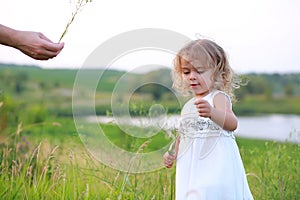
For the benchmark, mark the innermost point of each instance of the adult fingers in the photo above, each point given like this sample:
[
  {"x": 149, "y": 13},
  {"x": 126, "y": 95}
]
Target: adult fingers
[{"x": 51, "y": 46}]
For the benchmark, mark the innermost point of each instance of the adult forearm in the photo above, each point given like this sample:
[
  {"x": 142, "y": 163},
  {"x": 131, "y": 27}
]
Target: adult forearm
[{"x": 7, "y": 36}]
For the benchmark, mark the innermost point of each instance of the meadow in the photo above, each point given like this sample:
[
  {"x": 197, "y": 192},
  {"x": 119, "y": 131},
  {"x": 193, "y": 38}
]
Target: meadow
[
  {"x": 35, "y": 163},
  {"x": 43, "y": 157}
]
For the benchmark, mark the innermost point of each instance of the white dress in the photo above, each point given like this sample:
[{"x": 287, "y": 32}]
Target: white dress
[{"x": 208, "y": 166}]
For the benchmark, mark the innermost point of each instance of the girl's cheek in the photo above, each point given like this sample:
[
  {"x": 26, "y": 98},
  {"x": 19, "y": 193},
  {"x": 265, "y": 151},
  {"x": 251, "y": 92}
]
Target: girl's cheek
[
  {"x": 185, "y": 78},
  {"x": 207, "y": 77}
]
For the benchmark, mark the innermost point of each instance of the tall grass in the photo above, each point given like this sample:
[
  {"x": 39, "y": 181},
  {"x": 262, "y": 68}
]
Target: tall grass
[
  {"x": 59, "y": 172},
  {"x": 272, "y": 168},
  {"x": 66, "y": 171}
]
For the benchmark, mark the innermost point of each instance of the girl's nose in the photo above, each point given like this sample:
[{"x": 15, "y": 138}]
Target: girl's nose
[{"x": 192, "y": 75}]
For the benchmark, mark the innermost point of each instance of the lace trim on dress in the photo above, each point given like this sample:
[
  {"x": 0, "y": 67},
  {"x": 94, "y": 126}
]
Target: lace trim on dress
[{"x": 198, "y": 127}]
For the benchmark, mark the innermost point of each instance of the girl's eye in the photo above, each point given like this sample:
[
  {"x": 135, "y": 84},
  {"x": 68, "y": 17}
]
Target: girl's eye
[
  {"x": 186, "y": 72},
  {"x": 201, "y": 71}
]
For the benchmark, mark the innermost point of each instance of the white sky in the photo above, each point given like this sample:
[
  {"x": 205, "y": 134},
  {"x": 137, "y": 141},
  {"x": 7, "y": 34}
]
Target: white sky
[{"x": 258, "y": 35}]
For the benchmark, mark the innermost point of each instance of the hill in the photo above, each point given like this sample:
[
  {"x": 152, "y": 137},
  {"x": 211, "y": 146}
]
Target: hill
[{"x": 52, "y": 89}]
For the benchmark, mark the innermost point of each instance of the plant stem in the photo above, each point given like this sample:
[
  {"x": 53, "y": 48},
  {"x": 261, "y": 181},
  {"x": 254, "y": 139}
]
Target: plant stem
[{"x": 79, "y": 6}]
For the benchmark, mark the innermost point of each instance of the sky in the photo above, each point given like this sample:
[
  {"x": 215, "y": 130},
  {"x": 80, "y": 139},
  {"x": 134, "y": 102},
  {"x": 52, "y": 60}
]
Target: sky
[{"x": 258, "y": 35}]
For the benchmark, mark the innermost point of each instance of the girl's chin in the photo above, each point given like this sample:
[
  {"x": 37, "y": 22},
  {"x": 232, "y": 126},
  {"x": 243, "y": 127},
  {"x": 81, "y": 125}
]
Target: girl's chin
[{"x": 200, "y": 93}]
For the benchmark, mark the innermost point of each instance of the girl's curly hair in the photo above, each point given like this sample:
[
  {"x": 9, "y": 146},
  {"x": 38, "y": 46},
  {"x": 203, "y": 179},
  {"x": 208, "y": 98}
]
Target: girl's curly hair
[{"x": 208, "y": 54}]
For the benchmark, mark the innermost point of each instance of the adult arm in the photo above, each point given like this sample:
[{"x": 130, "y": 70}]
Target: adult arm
[{"x": 33, "y": 44}]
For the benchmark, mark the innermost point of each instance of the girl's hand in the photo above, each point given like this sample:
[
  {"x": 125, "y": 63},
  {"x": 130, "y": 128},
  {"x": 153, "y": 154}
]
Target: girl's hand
[
  {"x": 169, "y": 160},
  {"x": 203, "y": 107},
  {"x": 221, "y": 113}
]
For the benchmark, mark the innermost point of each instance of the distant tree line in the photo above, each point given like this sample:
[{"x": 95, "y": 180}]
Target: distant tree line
[{"x": 269, "y": 85}]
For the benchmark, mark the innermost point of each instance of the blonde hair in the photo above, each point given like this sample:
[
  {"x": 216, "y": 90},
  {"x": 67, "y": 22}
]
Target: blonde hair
[{"x": 211, "y": 56}]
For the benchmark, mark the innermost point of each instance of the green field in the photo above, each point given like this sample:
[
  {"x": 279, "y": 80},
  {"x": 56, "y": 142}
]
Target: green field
[
  {"x": 43, "y": 157},
  {"x": 48, "y": 161}
]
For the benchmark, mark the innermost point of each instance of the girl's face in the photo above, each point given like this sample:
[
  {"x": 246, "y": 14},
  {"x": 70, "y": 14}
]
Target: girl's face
[{"x": 197, "y": 79}]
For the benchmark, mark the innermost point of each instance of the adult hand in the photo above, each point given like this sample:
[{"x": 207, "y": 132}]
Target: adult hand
[{"x": 36, "y": 45}]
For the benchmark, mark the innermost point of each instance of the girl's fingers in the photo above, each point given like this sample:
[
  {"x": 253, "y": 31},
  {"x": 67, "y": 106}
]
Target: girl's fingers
[
  {"x": 168, "y": 156},
  {"x": 203, "y": 107},
  {"x": 200, "y": 101},
  {"x": 168, "y": 164},
  {"x": 169, "y": 160}
]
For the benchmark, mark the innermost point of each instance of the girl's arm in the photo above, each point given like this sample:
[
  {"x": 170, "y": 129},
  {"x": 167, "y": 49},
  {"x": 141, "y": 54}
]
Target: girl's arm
[
  {"x": 168, "y": 158},
  {"x": 177, "y": 145},
  {"x": 221, "y": 113}
]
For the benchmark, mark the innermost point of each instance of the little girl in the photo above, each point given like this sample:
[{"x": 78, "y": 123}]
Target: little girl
[{"x": 208, "y": 163}]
